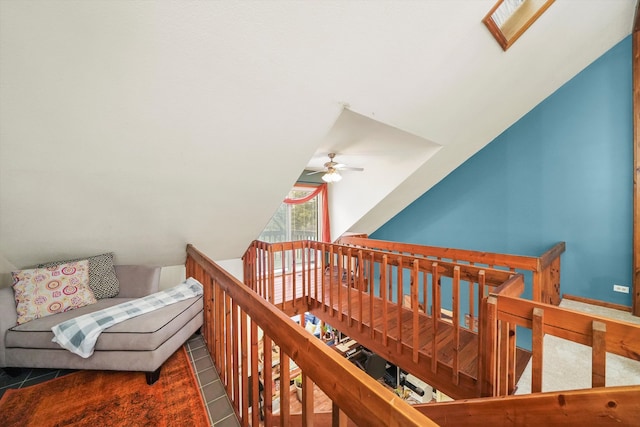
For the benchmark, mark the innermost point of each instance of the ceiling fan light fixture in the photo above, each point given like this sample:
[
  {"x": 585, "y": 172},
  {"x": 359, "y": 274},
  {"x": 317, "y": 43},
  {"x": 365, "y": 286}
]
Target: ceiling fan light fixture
[{"x": 331, "y": 176}]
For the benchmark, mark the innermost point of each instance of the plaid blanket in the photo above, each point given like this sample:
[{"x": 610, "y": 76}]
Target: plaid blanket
[{"x": 79, "y": 335}]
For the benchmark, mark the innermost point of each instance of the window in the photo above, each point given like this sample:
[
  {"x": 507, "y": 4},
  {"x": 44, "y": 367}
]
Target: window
[
  {"x": 295, "y": 221},
  {"x": 303, "y": 215},
  {"x": 508, "y": 19}
]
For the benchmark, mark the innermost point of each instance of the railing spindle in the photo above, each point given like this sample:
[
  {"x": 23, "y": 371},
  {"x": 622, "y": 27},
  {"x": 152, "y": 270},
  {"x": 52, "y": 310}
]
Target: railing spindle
[
  {"x": 383, "y": 295},
  {"x": 456, "y": 323},
  {"x": 285, "y": 379},
  {"x": 370, "y": 288},
  {"x": 339, "y": 280},
  {"x": 348, "y": 288},
  {"x": 400, "y": 292},
  {"x": 244, "y": 361},
  {"x": 598, "y": 355},
  {"x": 503, "y": 357},
  {"x": 255, "y": 386},
  {"x": 415, "y": 278},
  {"x": 271, "y": 279},
  {"x": 435, "y": 314},
  {"x": 235, "y": 368},
  {"x": 360, "y": 277},
  {"x": 228, "y": 358},
  {"x": 330, "y": 268},
  {"x": 537, "y": 349},
  {"x": 294, "y": 279},
  {"x": 267, "y": 376}
]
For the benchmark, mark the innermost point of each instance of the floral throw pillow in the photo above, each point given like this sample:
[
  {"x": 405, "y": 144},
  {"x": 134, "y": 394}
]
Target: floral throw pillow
[
  {"x": 41, "y": 292},
  {"x": 102, "y": 274}
]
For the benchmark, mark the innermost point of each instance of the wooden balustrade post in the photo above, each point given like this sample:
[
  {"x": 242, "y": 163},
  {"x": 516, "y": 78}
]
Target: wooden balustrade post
[
  {"x": 349, "y": 279},
  {"x": 235, "y": 342},
  {"x": 307, "y": 401},
  {"x": 489, "y": 356},
  {"x": 425, "y": 291},
  {"x": 218, "y": 332},
  {"x": 294, "y": 278},
  {"x": 285, "y": 389},
  {"x": 339, "y": 280},
  {"x": 321, "y": 271},
  {"x": 267, "y": 377},
  {"x": 271, "y": 278},
  {"x": 338, "y": 418},
  {"x": 482, "y": 285},
  {"x": 415, "y": 279},
  {"x": 503, "y": 357},
  {"x": 537, "y": 350},
  {"x": 261, "y": 289},
  {"x": 383, "y": 296},
  {"x": 435, "y": 314},
  {"x": 330, "y": 267},
  {"x": 598, "y": 355},
  {"x": 371, "y": 289},
  {"x": 360, "y": 278},
  {"x": 456, "y": 323},
  {"x": 317, "y": 286},
  {"x": 511, "y": 374},
  {"x": 228, "y": 360},
  {"x": 400, "y": 293},
  {"x": 255, "y": 376},
  {"x": 244, "y": 368},
  {"x": 305, "y": 283}
]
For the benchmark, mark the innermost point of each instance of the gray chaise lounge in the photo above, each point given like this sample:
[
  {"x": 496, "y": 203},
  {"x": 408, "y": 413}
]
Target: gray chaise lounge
[{"x": 143, "y": 343}]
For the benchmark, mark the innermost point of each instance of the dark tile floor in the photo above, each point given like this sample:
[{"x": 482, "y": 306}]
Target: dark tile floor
[
  {"x": 220, "y": 410},
  {"x": 215, "y": 397}
]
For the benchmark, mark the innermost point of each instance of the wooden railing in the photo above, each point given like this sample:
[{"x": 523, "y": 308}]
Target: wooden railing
[
  {"x": 234, "y": 317},
  {"x": 610, "y": 406},
  {"x": 505, "y": 313},
  {"x": 498, "y": 345},
  {"x": 347, "y": 283},
  {"x": 545, "y": 269}
]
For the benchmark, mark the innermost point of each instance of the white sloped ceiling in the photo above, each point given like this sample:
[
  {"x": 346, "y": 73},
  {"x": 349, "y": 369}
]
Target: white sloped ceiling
[{"x": 139, "y": 127}]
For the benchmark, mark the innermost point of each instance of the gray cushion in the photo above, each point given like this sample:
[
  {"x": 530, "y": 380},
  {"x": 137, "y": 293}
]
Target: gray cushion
[
  {"x": 102, "y": 275},
  {"x": 143, "y": 333}
]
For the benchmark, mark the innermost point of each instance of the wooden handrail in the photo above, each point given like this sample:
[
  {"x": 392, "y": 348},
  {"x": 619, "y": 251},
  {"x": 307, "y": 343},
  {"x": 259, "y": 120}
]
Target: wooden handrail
[
  {"x": 622, "y": 337},
  {"x": 360, "y": 397},
  {"x": 487, "y": 258},
  {"x": 593, "y": 407},
  {"x": 545, "y": 268},
  {"x": 496, "y": 357},
  {"x": 601, "y": 334},
  {"x": 501, "y": 311},
  {"x": 549, "y": 256}
]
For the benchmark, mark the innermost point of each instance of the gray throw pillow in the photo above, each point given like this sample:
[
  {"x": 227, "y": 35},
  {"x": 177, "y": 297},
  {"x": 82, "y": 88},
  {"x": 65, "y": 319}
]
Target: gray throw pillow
[{"x": 102, "y": 275}]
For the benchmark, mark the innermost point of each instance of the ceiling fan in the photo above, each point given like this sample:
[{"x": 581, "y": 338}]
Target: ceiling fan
[{"x": 331, "y": 170}]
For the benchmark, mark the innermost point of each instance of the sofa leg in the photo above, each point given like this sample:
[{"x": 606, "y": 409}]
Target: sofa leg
[
  {"x": 12, "y": 372},
  {"x": 152, "y": 377}
]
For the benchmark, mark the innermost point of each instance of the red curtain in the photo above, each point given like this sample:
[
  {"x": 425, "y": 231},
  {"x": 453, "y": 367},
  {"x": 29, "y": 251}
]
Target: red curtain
[{"x": 322, "y": 190}]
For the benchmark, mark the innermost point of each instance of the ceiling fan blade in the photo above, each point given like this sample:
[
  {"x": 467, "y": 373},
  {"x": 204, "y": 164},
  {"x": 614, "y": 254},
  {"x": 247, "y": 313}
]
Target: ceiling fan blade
[
  {"x": 314, "y": 172},
  {"x": 349, "y": 168}
]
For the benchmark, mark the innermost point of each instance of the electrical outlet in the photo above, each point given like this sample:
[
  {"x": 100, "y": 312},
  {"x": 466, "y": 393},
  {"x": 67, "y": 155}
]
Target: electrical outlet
[{"x": 620, "y": 288}]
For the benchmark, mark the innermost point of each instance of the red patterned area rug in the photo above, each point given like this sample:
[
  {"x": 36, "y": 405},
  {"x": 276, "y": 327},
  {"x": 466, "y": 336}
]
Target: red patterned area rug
[{"x": 109, "y": 398}]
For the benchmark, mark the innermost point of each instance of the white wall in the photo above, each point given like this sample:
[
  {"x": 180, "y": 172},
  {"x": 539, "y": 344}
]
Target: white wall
[
  {"x": 6, "y": 267},
  {"x": 175, "y": 274}
]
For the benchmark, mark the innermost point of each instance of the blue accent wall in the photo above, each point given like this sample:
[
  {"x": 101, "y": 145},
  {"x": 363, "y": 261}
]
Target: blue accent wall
[{"x": 563, "y": 172}]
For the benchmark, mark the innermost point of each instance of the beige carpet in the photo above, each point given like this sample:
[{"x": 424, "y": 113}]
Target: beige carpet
[{"x": 567, "y": 365}]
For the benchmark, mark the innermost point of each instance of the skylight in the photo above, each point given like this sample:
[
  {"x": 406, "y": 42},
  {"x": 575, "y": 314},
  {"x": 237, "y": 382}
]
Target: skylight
[{"x": 509, "y": 19}]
